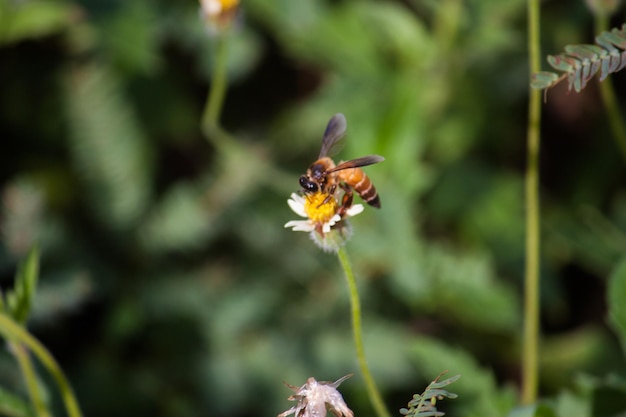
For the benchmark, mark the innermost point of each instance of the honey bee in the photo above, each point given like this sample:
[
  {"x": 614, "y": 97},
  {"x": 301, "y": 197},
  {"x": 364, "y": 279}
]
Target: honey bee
[{"x": 324, "y": 176}]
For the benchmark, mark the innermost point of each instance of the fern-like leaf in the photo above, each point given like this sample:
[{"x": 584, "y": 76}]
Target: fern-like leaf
[
  {"x": 108, "y": 146},
  {"x": 580, "y": 63},
  {"x": 423, "y": 405}
]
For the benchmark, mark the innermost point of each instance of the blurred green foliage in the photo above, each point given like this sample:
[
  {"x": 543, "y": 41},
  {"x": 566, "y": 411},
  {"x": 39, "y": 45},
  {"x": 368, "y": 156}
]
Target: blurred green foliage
[{"x": 168, "y": 285}]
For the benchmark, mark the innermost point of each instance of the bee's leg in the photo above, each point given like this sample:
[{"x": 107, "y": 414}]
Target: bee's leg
[
  {"x": 346, "y": 200},
  {"x": 331, "y": 194}
]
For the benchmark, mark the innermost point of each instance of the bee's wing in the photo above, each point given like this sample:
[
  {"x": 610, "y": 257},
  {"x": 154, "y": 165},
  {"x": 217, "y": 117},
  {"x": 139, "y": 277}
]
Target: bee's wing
[
  {"x": 358, "y": 162},
  {"x": 335, "y": 130}
]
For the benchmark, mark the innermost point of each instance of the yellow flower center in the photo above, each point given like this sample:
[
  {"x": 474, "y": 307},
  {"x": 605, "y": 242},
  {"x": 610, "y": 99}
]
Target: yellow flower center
[
  {"x": 228, "y": 4},
  {"x": 318, "y": 209}
]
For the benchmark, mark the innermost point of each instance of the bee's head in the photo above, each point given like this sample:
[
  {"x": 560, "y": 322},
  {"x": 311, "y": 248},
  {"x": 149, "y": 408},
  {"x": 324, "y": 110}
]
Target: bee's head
[
  {"x": 308, "y": 185},
  {"x": 315, "y": 178}
]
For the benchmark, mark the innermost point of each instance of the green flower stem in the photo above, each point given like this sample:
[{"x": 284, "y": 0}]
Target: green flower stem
[
  {"x": 14, "y": 332},
  {"x": 26, "y": 365},
  {"x": 607, "y": 93},
  {"x": 531, "y": 294},
  {"x": 372, "y": 390},
  {"x": 215, "y": 100}
]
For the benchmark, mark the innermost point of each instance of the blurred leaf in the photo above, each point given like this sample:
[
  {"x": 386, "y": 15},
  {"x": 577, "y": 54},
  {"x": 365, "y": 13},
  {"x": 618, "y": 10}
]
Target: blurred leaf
[
  {"x": 585, "y": 235},
  {"x": 178, "y": 222},
  {"x": 573, "y": 405},
  {"x": 351, "y": 38},
  {"x": 136, "y": 21},
  {"x": 108, "y": 147},
  {"x": 21, "y": 20},
  {"x": 535, "y": 410},
  {"x": 617, "y": 301},
  {"x": 13, "y": 406},
  {"x": 466, "y": 289},
  {"x": 581, "y": 346},
  {"x": 20, "y": 299}
]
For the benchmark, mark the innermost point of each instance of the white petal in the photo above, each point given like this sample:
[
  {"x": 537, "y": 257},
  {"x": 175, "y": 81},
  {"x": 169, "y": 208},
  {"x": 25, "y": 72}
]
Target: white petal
[
  {"x": 336, "y": 218},
  {"x": 297, "y": 205},
  {"x": 297, "y": 198},
  {"x": 211, "y": 7},
  {"x": 300, "y": 225},
  {"x": 354, "y": 210}
]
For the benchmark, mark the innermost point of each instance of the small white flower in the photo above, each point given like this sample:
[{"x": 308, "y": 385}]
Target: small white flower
[
  {"x": 298, "y": 204},
  {"x": 316, "y": 397},
  {"x": 218, "y": 15},
  {"x": 319, "y": 213},
  {"x": 211, "y": 8}
]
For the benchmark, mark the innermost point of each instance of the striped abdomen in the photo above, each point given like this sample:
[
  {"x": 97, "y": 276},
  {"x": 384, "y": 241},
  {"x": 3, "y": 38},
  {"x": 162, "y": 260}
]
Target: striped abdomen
[{"x": 357, "y": 179}]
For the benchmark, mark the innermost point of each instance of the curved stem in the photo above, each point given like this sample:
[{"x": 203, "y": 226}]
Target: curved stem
[
  {"x": 372, "y": 390},
  {"x": 14, "y": 332},
  {"x": 531, "y": 293},
  {"x": 30, "y": 377},
  {"x": 615, "y": 118},
  {"x": 215, "y": 100}
]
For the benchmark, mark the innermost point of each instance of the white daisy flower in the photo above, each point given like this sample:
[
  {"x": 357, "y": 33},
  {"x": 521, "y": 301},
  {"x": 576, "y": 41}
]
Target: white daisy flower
[
  {"x": 320, "y": 211},
  {"x": 322, "y": 218},
  {"x": 218, "y": 14}
]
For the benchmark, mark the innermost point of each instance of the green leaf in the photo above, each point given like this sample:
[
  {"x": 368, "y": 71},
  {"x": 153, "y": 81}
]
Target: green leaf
[
  {"x": 13, "y": 406},
  {"x": 582, "y": 62},
  {"x": 617, "y": 301},
  {"x": 585, "y": 51},
  {"x": 108, "y": 146},
  {"x": 20, "y": 300},
  {"x": 562, "y": 62},
  {"x": 32, "y": 19},
  {"x": 445, "y": 382},
  {"x": 543, "y": 79},
  {"x": 135, "y": 20},
  {"x": 573, "y": 405}
]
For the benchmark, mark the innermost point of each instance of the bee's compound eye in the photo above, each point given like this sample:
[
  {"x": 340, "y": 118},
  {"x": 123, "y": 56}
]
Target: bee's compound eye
[{"x": 307, "y": 184}]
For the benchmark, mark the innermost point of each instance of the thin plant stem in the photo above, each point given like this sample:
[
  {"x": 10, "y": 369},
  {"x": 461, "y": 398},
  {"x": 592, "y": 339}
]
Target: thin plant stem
[
  {"x": 30, "y": 377},
  {"x": 372, "y": 390},
  {"x": 531, "y": 292},
  {"x": 215, "y": 100},
  {"x": 14, "y": 332},
  {"x": 607, "y": 92}
]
